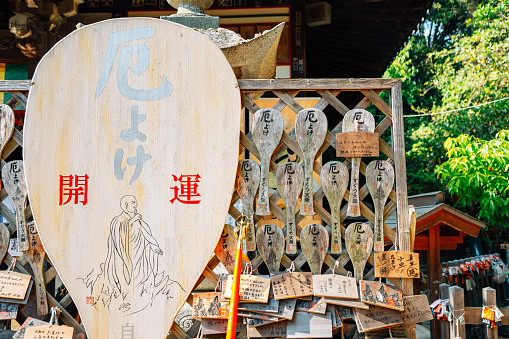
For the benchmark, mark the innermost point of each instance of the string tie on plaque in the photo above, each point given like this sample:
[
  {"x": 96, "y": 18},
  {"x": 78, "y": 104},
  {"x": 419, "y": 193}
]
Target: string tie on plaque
[
  {"x": 55, "y": 313},
  {"x": 336, "y": 265},
  {"x": 220, "y": 285},
  {"x": 291, "y": 269},
  {"x": 248, "y": 269},
  {"x": 12, "y": 265},
  {"x": 390, "y": 333},
  {"x": 349, "y": 274}
]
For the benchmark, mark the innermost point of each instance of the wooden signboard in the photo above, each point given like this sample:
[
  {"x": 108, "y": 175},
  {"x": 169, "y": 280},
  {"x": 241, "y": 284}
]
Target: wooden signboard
[
  {"x": 146, "y": 148},
  {"x": 286, "y": 309},
  {"x": 357, "y": 144},
  {"x": 35, "y": 256},
  {"x": 209, "y": 305},
  {"x": 268, "y": 331},
  {"x": 379, "y": 179},
  {"x": 356, "y": 120},
  {"x": 309, "y": 325},
  {"x": 13, "y": 285},
  {"x": 316, "y": 305},
  {"x": 218, "y": 326},
  {"x": 417, "y": 309},
  {"x": 289, "y": 179},
  {"x": 314, "y": 241},
  {"x": 266, "y": 129},
  {"x": 271, "y": 245},
  {"x": 246, "y": 184},
  {"x": 335, "y": 286},
  {"x": 355, "y": 303},
  {"x": 359, "y": 242},
  {"x": 397, "y": 264},
  {"x": 271, "y": 307},
  {"x": 8, "y": 311},
  {"x": 334, "y": 180},
  {"x": 292, "y": 285},
  {"x": 227, "y": 248},
  {"x": 13, "y": 177},
  {"x": 252, "y": 287},
  {"x": 380, "y": 294},
  {"x": 49, "y": 332},
  {"x": 376, "y": 318},
  {"x": 310, "y": 129}
]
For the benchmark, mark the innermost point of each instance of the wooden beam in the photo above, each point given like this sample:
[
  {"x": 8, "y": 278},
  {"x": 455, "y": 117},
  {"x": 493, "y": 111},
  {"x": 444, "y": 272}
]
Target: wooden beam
[
  {"x": 349, "y": 84},
  {"x": 451, "y": 217},
  {"x": 422, "y": 242},
  {"x": 14, "y": 85}
]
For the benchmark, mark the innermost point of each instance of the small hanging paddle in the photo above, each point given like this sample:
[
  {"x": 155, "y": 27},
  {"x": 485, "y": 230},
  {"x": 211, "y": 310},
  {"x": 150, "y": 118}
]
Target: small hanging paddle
[
  {"x": 6, "y": 125},
  {"x": 226, "y": 248},
  {"x": 334, "y": 180},
  {"x": 246, "y": 183},
  {"x": 314, "y": 241},
  {"x": 266, "y": 129},
  {"x": 359, "y": 243},
  {"x": 35, "y": 257},
  {"x": 5, "y": 236},
  {"x": 310, "y": 128},
  {"x": 356, "y": 120},
  {"x": 379, "y": 178},
  {"x": 13, "y": 177},
  {"x": 289, "y": 178},
  {"x": 270, "y": 241}
]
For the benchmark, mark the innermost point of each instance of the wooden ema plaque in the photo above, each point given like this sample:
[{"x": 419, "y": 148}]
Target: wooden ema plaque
[
  {"x": 268, "y": 331},
  {"x": 316, "y": 305},
  {"x": 376, "y": 318},
  {"x": 335, "y": 312},
  {"x": 253, "y": 322},
  {"x": 271, "y": 307},
  {"x": 335, "y": 286},
  {"x": 49, "y": 332},
  {"x": 380, "y": 294},
  {"x": 397, "y": 264},
  {"x": 309, "y": 325},
  {"x": 13, "y": 285},
  {"x": 355, "y": 303},
  {"x": 8, "y": 311},
  {"x": 397, "y": 332},
  {"x": 218, "y": 326},
  {"x": 286, "y": 309},
  {"x": 292, "y": 285},
  {"x": 252, "y": 287},
  {"x": 256, "y": 315},
  {"x": 146, "y": 149},
  {"x": 209, "y": 305},
  {"x": 417, "y": 309},
  {"x": 357, "y": 144}
]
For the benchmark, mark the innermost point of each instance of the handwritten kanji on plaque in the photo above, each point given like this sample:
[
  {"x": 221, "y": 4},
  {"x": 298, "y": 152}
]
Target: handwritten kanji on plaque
[{"x": 397, "y": 264}]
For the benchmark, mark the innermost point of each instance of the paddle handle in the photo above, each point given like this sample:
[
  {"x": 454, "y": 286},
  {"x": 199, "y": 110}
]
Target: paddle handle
[
  {"x": 250, "y": 234},
  {"x": 306, "y": 207},
  {"x": 378, "y": 241},
  {"x": 358, "y": 271},
  {"x": 231, "y": 330},
  {"x": 291, "y": 239},
  {"x": 21, "y": 226},
  {"x": 40, "y": 290},
  {"x": 262, "y": 205},
  {"x": 336, "y": 231},
  {"x": 354, "y": 209}
]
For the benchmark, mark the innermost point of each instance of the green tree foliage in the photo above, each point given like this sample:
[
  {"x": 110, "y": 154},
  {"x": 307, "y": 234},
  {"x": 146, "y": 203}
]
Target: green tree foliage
[{"x": 477, "y": 174}]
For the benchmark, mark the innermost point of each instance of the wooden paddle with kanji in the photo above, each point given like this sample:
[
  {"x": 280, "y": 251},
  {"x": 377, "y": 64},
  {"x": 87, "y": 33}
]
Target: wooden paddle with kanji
[{"x": 359, "y": 243}]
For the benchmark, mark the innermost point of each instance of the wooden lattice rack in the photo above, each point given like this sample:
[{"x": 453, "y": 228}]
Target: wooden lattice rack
[{"x": 286, "y": 91}]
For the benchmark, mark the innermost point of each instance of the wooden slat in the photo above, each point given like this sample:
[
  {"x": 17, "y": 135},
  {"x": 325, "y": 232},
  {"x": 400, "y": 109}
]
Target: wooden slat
[
  {"x": 14, "y": 85},
  {"x": 317, "y": 84}
]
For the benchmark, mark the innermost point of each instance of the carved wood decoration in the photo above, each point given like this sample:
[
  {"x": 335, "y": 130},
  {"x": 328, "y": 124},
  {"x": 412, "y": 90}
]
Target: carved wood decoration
[
  {"x": 287, "y": 92},
  {"x": 266, "y": 129},
  {"x": 311, "y": 129},
  {"x": 139, "y": 163},
  {"x": 246, "y": 183}
]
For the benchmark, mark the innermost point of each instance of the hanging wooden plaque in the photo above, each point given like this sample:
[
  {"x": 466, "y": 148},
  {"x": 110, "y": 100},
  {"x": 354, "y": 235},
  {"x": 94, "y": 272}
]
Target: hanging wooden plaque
[
  {"x": 314, "y": 240},
  {"x": 13, "y": 285},
  {"x": 252, "y": 287},
  {"x": 256, "y": 315},
  {"x": 397, "y": 264},
  {"x": 13, "y": 248},
  {"x": 138, "y": 159},
  {"x": 271, "y": 307},
  {"x": 20, "y": 301},
  {"x": 345, "y": 312},
  {"x": 335, "y": 286},
  {"x": 416, "y": 309},
  {"x": 286, "y": 309},
  {"x": 291, "y": 285},
  {"x": 268, "y": 331},
  {"x": 359, "y": 243},
  {"x": 316, "y": 305},
  {"x": 209, "y": 305},
  {"x": 309, "y": 325},
  {"x": 13, "y": 178},
  {"x": 376, "y": 318},
  {"x": 8, "y": 311},
  {"x": 254, "y": 322},
  {"x": 270, "y": 241},
  {"x": 226, "y": 248},
  {"x": 49, "y": 332},
  {"x": 35, "y": 257},
  {"x": 357, "y": 144},
  {"x": 28, "y": 323},
  {"x": 218, "y": 326},
  {"x": 335, "y": 312},
  {"x": 380, "y": 294},
  {"x": 356, "y": 303},
  {"x": 397, "y": 332}
]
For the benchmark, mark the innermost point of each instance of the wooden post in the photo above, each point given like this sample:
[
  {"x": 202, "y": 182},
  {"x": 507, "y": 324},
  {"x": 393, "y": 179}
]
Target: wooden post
[
  {"x": 457, "y": 302},
  {"x": 434, "y": 267},
  {"x": 444, "y": 326},
  {"x": 489, "y": 299},
  {"x": 434, "y": 295}
]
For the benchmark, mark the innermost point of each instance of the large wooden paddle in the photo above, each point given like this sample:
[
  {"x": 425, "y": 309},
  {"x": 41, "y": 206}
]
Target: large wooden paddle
[
  {"x": 334, "y": 180},
  {"x": 270, "y": 241},
  {"x": 246, "y": 183},
  {"x": 379, "y": 178},
  {"x": 13, "y": 177},
  {"x": 126, "y": 128},
  {"x": 35, "y": 257},
  {"x": 266, "y": 129},
  {"x": 314, "y": 241},
  {"x": 356, "y": 120},
  {"x": 289, "y": 178},
  {"x": 359, "y": 243},
  {"x": 311, "y": 129}
]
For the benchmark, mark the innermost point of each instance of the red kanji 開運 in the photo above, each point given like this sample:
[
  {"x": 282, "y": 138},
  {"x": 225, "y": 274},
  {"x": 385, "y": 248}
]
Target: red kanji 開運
[
  {"x": 188, "y": 191},
  {"x": 73, "y": 186}
]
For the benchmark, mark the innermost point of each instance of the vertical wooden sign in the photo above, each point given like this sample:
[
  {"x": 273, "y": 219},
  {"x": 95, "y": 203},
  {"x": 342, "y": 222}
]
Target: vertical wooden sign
[
  {"x": 314, "y": 241},
  {"x": 135, "y": 204},
  {"x": 266, "y": 129},
  {"x": 271, "y": 242}
]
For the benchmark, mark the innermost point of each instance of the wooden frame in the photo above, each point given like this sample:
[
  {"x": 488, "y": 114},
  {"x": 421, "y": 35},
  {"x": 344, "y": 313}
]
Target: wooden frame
[{"x": 286, "y": 91}]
